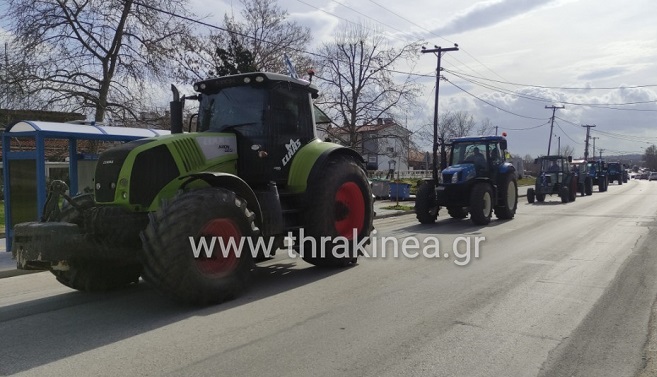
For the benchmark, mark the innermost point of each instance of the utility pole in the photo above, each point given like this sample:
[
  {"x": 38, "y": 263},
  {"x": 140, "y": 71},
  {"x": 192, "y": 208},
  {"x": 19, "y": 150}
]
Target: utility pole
[
  {"x": 496, "y": 127},
  {"x": 593, "y": 138},
  {"x": 439, "y": 53},
  {"x": 559, "y": 145},
  {"x": 586, "y": 147},
  {"x": 554, "y": 109}
]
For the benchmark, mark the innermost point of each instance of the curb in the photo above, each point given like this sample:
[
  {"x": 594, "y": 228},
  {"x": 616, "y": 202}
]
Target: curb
[{"x": 392, "y": 214}]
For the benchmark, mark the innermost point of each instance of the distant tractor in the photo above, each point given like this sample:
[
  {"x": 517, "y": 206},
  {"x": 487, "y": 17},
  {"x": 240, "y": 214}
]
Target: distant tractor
[
  {"x": 597, "y": 170},
  {"x": 616, "y": 172},
  {"x": 555, "y": 177},
  {"x": 584, "y": 180},
  {"x": 254, "y": 170},
  {"x": 477, "y": 182}
]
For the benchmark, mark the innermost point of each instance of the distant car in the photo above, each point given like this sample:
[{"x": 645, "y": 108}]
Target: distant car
[{"x": 652, "y": 176}]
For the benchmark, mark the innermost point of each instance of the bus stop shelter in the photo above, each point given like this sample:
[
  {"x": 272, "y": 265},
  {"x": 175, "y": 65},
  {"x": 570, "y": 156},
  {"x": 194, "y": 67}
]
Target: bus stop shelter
[{"x": 24, "y": 163}]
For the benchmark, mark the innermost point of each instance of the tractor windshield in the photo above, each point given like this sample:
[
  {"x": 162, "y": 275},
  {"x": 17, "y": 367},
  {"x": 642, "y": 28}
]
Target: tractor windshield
[
  {"x": 552, "y": 166},
  {"x": 231, "y": 107},
  {"x": 475, "y": 153}
]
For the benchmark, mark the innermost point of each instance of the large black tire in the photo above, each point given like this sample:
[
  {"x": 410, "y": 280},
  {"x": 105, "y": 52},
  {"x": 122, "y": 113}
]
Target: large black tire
[
  {"x": 170, "y": 265},
  {"x": 572, "y": 193},
  {"x": 337, "y": 204},
  {"x": 540, "y": 197},
  {"x": 457, "y": 212},
  {"x": 96, "y": 274},
  {"x": 531, "y": 195},
  {"x": 481, "y": 203},
  {"x": 588, "y": 186},
  {"x": 426, "y": 209},
  {"x": 509, "y": 198},
  {"x": 564, "y": 194}
]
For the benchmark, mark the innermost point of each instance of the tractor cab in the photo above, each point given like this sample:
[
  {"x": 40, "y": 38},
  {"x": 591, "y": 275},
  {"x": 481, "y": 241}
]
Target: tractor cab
[
  {"x": 270, "y": 114},
  {"x": 556, "y": 177},
  {"x": 474, "y": 157}
]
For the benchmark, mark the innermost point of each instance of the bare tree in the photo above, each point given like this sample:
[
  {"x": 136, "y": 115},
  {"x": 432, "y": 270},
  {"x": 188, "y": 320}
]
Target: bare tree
[
  {"x": 486, "y": 127},
  {"x": 358, "y": 82},
  {"x": 566, "y": 151},
  {"x": 264, "y": 32},
  {"x": 96, "y": 54}
]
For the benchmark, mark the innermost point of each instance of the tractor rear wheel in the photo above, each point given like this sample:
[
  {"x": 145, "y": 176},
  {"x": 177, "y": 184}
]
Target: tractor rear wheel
[
  {"x": 96, "y": 274},
  {"x": 564, "y": 193},
  {"x": 531, "y": 195},
  {"x": 509, "y": 197},
  {"x": 426, "y": 209},
  {"x": 481, "y": 203},
  {"x": 338, "y": 208},
  {"x": 572, "y": 193},
  {"x": 588, "y": 186},
  {"x": 177, "y": 263}
]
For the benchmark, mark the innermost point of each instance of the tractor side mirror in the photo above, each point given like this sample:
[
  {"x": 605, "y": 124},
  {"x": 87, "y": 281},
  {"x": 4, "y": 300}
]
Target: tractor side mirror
[
  {"x": 503, "y": 145},
  {"x": 536, "y": 161},
  {"x": 570, "y": 158}
]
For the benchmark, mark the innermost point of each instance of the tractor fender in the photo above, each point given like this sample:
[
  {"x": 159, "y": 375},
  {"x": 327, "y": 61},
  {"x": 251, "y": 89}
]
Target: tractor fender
[
  {"x": 507, "y": 168},
  {"x": 230, "y": 182},
  {"x": 310, "y": 160},
  {"x": 329, "y": 154}
]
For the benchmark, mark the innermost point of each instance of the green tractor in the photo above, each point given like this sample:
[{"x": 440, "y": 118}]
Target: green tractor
[
  {"x": 556, "y": 177},
  {"x": 186, "y": 211}
]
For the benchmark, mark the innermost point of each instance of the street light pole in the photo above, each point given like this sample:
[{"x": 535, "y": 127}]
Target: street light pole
[{"x": 439, "y": 52}]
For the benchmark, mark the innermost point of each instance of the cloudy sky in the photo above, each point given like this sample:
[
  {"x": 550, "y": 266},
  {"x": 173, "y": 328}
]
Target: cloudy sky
[{"x": 596, "y": 58}]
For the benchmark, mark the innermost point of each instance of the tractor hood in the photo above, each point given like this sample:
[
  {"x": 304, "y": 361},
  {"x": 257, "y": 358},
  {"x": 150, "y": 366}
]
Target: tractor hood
[
  {"x": 136, "y": 173},
  {"x": 458, "y": 173}
]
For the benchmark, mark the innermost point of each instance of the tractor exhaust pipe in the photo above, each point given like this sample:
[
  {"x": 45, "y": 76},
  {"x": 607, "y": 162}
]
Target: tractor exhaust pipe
[{"x": 176, "y": 110}]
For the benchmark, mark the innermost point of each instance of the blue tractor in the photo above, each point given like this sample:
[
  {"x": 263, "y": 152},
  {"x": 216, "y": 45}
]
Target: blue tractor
[{"x": 477, "y": 182}]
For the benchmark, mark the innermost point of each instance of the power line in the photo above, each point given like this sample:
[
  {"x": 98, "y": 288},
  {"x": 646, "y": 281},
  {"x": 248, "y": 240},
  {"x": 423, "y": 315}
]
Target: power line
[
  {"x": 490, "y": 104},
  {"x": 568, "y": 136},
  {"x": 438, "y": 36},
  {"x": 558, "y": 87},
  {"x": 541, "y": 99},
  {"x": 351, "y": 22}
]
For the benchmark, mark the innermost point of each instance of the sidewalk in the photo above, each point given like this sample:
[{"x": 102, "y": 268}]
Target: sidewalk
[{"x": 8, "y": 265}]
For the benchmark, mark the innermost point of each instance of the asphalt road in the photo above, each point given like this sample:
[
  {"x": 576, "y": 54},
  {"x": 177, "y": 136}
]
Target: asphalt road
[{"x": 561, "y": 290}]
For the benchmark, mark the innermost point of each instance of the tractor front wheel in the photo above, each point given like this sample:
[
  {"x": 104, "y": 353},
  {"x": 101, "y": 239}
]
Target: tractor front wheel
[
  {"x": 196, "y": 249},
  {"x": 509, "y": 197},
  {"x": 426, "y": 209},
  {"x": 531, "y": 195},
  {"x": 481, "y": 204},
  {"x": 96, "y": 274},
  {"x": 338, "y": 207}
]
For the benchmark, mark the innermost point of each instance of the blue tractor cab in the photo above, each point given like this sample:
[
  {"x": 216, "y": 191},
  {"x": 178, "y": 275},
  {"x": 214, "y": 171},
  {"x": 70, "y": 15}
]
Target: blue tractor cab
[{"x": 477, "y": 182}]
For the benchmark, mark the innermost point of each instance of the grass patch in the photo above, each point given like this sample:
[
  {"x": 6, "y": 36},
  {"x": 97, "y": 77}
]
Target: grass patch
[
  {"x": 2, "y": 216},
  {"x": 399, "y": 207},
  {"x": 526, "y": 181}
]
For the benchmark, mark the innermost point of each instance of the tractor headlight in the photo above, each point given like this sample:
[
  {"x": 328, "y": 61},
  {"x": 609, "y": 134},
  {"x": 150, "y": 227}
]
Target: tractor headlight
[{"x": 455, "y": 177}]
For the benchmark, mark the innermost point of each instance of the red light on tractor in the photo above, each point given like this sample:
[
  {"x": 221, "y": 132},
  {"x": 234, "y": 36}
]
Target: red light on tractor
[{"x": 504, "y": 134}]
